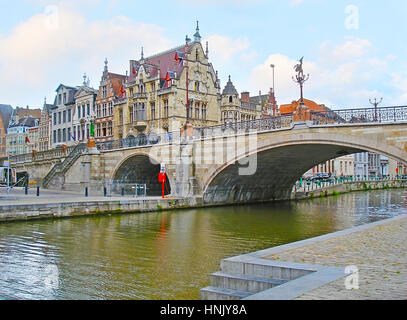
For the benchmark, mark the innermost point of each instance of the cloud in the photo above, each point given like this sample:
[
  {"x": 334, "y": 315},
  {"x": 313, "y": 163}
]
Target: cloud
[
  {"x": 224, "y": 49},
  {"x": 346, "y": 73},
  {"x": 61, "y": 44}
]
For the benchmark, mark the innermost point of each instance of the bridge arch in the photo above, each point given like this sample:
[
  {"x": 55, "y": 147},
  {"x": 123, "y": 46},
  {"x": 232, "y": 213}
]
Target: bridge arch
[
  {"x": 140, "y": 168},
  {"x": 282, "y": 160}
]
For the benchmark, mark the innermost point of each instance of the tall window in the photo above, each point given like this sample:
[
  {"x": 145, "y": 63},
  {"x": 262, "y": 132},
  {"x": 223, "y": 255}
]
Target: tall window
[
  {"x": 98, "y": 130},
  {"x": 131, "y": 110},
  {"x": 55, "y": 119},
  {"x": 104, "y": 110},
  {"x": 79, "y": 112},
  {"x": 64, "y": 97},
  {"x": 110, "y": 108},
  {"x": 83, "y": 111},
  {"x": 59, "y": 99},
  {"x": 98, "y": 111},
  {"x": 68, "y": 136},
  {"x": 153, "y": 110},
  {"x": 104, "y": 92},
  {"x": 121, "y": 116},
  {"x": 69, "y": 115},
  {"x": 140, "y": 112},
  {"x": 104, "y": 129},
  {"x": 74, "y": 133},
  {"x": 109, "y": 128},
  {"x": 88, "y": 109},
  {"x": 64, "y": 116},
  {"x": 166, "y": 113},
  {"x": 59, "y": 135},
  {"x": 204, "y": 111},
  {"x": 63, "y": 134},
  {"x": 87, "y": 131},
  {"x": 197, "y": 110},
  {"x": 59, "y": 117}
]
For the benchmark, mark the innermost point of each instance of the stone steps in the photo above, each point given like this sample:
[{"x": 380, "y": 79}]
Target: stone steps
[
  {"x": 270, "y": 269},
  {"x": 216, "y": 293},
  {"x": 241, "y": 277},
  {"x": 243, "y": 283}
]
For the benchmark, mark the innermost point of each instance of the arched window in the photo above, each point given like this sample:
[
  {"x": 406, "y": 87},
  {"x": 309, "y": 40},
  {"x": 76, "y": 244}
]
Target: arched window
[{"x": 230, "y": 99}]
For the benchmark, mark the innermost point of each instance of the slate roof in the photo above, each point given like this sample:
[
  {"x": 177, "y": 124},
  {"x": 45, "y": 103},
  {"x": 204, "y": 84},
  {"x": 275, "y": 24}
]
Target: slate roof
[
  {"x": 26, "y": 122},
  {"x": 230, "y": 89},
  {"x": 163, "y": 62}
]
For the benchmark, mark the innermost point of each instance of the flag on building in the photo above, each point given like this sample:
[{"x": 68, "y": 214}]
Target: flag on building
[{"x": 27, "y": 140}]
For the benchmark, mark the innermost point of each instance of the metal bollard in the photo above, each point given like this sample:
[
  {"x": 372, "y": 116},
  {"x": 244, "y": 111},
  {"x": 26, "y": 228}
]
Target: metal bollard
[
  {"x": 25, "y": 190},
  {"x": 38, "y": 191},
  {"x": 122, "y": 192},
  {"x": 86, "y": 192},
  {"x": 104, "y": 191}
]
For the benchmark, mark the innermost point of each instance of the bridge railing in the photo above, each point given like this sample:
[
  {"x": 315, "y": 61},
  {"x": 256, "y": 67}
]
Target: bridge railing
[
  {"x": 362, "y": 115},
  {"x": 257, "y": 125}
]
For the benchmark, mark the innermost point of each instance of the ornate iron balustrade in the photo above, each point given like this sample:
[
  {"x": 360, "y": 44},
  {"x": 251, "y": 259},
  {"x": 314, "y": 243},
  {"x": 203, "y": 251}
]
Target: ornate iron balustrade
[
  {"x": 258, "y": 125},
  {"x": 366, "y": 115},
  {"x": 140, "y": 95}
]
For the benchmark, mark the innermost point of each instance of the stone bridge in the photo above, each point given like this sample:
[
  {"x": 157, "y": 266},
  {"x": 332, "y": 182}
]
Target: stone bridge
[{"x": 229, "y": 165}]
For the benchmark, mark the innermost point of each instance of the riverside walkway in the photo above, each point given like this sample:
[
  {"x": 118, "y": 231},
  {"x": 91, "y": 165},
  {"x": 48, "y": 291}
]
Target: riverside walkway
[
  {"x": 17, "y": 206},
  {"x": 378, "y": 252}
]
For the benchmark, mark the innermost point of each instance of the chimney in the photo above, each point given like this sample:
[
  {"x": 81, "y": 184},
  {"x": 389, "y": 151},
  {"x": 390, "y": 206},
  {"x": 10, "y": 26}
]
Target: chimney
[{"x": 245, "y": 96}]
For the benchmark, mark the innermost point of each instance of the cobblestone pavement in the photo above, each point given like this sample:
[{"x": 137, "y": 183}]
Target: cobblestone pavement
[{"x": 379, "y": 253}]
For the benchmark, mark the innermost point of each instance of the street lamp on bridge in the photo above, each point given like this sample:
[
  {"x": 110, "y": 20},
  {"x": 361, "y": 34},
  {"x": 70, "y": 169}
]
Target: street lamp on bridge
[
  {"x": 300, "y": 78},
  {"x": 375, "y": 103}
]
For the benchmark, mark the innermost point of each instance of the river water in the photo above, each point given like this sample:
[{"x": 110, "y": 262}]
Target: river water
[{"x": 167, "y": 255}]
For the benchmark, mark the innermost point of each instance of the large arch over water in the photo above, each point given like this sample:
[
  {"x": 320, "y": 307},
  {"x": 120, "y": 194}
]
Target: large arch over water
[{"x": 140, "y": 169}]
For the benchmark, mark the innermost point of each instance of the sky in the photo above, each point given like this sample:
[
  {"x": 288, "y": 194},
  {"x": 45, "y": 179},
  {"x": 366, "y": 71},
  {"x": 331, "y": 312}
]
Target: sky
[{"x": 353, "y": 50}]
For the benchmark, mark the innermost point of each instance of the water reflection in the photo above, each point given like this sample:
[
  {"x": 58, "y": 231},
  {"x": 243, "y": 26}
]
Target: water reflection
[{"x": 165, "y": 255}]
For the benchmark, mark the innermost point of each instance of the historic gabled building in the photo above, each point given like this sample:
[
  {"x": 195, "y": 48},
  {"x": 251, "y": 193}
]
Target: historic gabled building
[
  {"x": 110, "y": 89},
  {"x": 17, "y": 138},
  {"x": 61, "y": 123},
  {"x": 159, "y": 86},
  {"x": 120, "y": 110},
  {"x": 245, "y": 108},
  {"x": 44, "y": 128},
  {"x": 84, "y": 113}
]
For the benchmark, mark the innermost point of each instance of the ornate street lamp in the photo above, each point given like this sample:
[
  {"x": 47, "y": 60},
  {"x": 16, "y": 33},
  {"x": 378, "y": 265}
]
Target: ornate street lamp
[
  {"x": 375, "y": 104},
  {"x": 300, "y": 78}
]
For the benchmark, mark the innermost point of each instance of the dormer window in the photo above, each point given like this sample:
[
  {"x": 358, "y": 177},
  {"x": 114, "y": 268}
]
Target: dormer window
[{"x": 230, "y": 99}]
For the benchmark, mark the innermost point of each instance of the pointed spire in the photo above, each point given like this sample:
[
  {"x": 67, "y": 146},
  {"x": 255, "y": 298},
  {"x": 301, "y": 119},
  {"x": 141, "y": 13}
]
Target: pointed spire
[
  {"x": 197, "y": 36},
  {"x": 142, "y": 54},
  {"x": 106, "y": 62},
  {"x": 84, "y": 79},
  {"x": 207, "y": 50},
  {"x": 187, "y": 39}
]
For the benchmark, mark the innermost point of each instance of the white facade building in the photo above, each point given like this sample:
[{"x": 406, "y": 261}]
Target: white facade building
[
  {"x": 84, "y": 113},
  {"x": 361, "y": 161},
  {"x": 62, "y": 116}
]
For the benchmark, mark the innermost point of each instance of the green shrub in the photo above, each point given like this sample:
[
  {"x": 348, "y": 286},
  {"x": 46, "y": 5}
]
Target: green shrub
[{"x": 335, "y": 193}]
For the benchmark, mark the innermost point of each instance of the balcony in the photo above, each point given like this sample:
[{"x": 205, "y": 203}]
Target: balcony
[{"x": 140, "y": 95}]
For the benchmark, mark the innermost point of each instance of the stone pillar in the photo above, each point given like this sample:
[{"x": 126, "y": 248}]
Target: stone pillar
[
  {"x": 91, "y": 155},
  {"x": 183, "y": 171}
]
